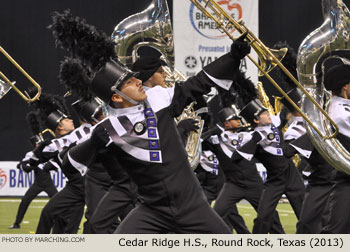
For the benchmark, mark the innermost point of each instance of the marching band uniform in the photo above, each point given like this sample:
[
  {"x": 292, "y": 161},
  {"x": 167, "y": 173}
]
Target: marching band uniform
[
  {"x": 98, "y": 177},
  {"x": 336, "y": 79},
  {"x": 71, "y": 199},
  {"x": 69, "y": 202},
  {"x": 42, "y": 183},
  {"x": 97, "y": 184},
  {"x": 209, "y": 174},
  {"x": 142, "y": 134},
  {"x": 43, "y": 180},
  {"x": 282, "y": 176},
  {"x": 295, "y": 130},
  {"x": 171, "y": 194},
  {"x": 242, "y": 178},
  {"x": 319, "y": 181},
  {"x": 338, "y": 220},
  {"x": 97, "y": 180},
  {"x": 49, "y": 108}
]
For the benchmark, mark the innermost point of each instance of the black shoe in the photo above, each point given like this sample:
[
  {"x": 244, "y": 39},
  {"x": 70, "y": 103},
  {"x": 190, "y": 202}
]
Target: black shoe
[{"x": 15, "y": 226}]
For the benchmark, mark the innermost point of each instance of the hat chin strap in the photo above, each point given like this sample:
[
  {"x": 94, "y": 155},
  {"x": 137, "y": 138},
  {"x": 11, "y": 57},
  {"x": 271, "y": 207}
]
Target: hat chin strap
[{"x": 114, "y": 89}]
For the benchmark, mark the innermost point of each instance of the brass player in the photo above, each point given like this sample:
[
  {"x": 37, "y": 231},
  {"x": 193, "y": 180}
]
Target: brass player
[{"x": 144, "y": 139}]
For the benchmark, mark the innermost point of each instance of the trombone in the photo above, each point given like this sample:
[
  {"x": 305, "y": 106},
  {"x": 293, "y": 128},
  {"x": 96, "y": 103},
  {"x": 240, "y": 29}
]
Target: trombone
[
  {"x": 268, "y": 58},
  {"x": 6, "y": 84}
]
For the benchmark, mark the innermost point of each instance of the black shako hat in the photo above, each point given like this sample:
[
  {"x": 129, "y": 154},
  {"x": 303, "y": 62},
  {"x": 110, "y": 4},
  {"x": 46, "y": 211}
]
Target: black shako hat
[
  {"x": 54, "y": 119},
  {"x": 88, "y": 111},
  {"x": 228, "y": 113},
  {"x": 52, "y": 109},
  {"x": 252, "y": 110},
  {"x": 336, "y": 77},
  {"x": 147, "y": 66},
  {"x": 109, "y": 78}
]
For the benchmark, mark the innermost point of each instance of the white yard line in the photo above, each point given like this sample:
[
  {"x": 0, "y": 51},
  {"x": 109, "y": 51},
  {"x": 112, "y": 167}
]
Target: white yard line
[{"x": 19, "y": 200}]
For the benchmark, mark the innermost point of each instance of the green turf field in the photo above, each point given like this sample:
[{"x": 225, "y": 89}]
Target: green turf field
[{"x": 9, "y": 206}]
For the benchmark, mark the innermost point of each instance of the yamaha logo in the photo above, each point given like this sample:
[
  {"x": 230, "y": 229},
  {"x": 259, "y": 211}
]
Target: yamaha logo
[
  {"x": 206, "y": 26},
  {"x": 190, "y": 62},
  {"x": 3, "y": 178}
]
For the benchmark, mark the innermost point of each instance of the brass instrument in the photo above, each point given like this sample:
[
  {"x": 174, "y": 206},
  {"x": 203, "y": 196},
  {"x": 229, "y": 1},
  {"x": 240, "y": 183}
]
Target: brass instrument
[
  {"x": 264, "y": 98},
  {"x": 321, "y": 43},
  {"x": 278, "y": 104},
  {"x": 268, "y": 58},
  {"x": 6, "y": 85},
  {"x": 173, "y": 76},
  {"x": 274, "y": 110},
  {"x": 152, "y": 28},
  {"x": 41, "y": 134},
  {"x": 40, "y": 137},
  {"x": 193, "y": 144}
]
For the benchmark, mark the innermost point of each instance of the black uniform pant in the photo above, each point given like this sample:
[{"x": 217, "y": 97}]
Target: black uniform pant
[
  {"x": 94, "y": 192},
  {"x": 313, "y": 209},
  {"x": 31, "y": 194},
  {"x": 289, "y": 183},
  {"x": 230, "y": 195},
  {"x": 210, "y": 183},
  {"x": 115, "y": 203},
  {"x": 159, "y": 220},
  {"x": 68, "y": 204},
  {"x": 235, "y": 221},
  {"x": 339, "y": 202}
]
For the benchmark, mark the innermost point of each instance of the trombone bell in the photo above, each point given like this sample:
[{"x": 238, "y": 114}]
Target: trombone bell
[
  {"x": 6, "y": 84},
  {"x": 4, "y": 88},
  {"x": 266, "y": 62}
]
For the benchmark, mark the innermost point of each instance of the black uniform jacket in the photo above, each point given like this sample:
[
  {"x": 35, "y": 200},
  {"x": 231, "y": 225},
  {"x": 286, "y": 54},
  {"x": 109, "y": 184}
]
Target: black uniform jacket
[
  {"x": 321, "y": 171},
  {"x": 42, "y": 178},
  {"x": 241, "y": 172},
  {"x": 145, "y": 141},
  {"x": 268, "y": 150}
]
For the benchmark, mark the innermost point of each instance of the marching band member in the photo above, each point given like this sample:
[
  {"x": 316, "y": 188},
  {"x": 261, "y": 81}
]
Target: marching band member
[
  {"x": 109, "y": 193},
  {"x": 282, "y": 176},
  {"x": 143, "y": 137},
  {"x": 319, "y": 183},
  {"x": 319, "y": 180},
  {"x": 150, "y": 70},
  {"x": 69, "y": 203},
  {"x": 43, "y": 180},
  {"x": 337, "y": 80},
  {"x": 297, "y": 142},
  {"x": 266, "y": 145},
  {"x": 242, "y": 178}
]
